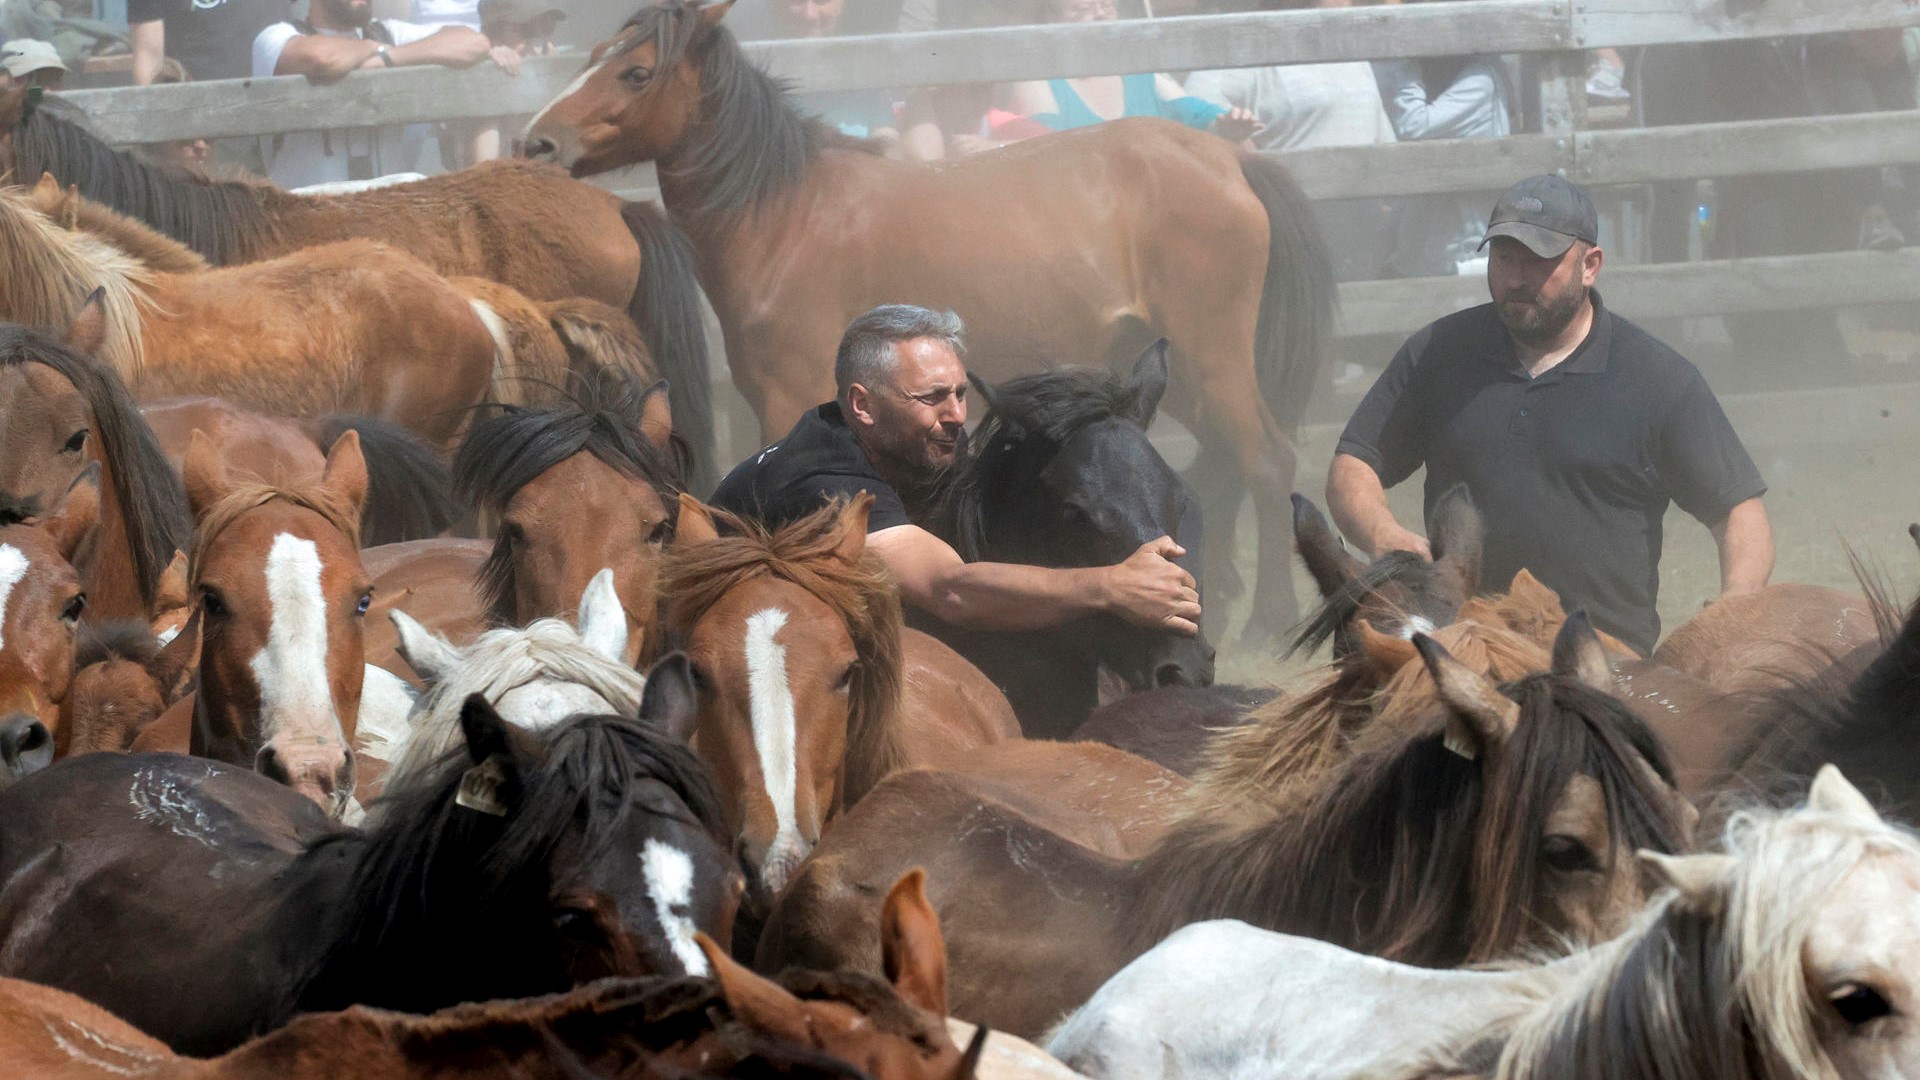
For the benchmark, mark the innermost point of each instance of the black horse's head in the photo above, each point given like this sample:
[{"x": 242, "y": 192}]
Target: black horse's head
[{"x": 1061, "y": 474}]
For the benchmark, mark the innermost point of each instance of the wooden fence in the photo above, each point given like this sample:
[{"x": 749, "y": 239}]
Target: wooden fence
[{"x": 1557, "y": 30}]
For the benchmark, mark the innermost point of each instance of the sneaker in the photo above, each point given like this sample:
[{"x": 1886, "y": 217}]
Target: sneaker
[
  {"x": 1606, "y": 84},
  {"x": 1879, "y": 233}
]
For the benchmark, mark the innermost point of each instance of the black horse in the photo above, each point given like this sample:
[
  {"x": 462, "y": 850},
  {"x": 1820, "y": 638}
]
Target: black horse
[
  {"x": 1060, "y": 473},
  {"x": 206, "y": 904}
]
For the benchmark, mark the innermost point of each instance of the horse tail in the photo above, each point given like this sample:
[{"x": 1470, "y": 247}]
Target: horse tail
[
  {"x": 409, "y": 491},
  {"x": 666, "y": 308},
  {"x": 1297, "y": 303}
]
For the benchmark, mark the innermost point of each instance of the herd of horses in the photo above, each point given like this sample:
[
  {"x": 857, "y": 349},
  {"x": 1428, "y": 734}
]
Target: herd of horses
[{"x": 377, "y": 698}]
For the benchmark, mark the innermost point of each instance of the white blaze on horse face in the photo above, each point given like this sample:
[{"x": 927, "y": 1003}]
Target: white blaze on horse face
[
  {"x": 1416, "y": 624},
  {"x": 669, "y": 873},
  {"x": 573, "y": 88},
  {"x": 774, "y": 739},
  {"x": 13, "y": 567},
  {"x": 292, "y": 670}
]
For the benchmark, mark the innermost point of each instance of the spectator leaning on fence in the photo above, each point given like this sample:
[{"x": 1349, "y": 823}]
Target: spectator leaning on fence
[
  {"x": 339, "y": 38},
  {"x": 32, "y": 63},
  {"x": 212, "y": 39},
  {"x": 1461, "y": 97}
]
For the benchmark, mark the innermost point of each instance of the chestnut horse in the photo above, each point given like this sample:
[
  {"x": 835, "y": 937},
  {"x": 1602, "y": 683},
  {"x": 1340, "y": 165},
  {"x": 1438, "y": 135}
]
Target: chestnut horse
[
  {"x": 1504, "y": 825},
  {"x": 524, "y": 225},
  {"x": 59, "y": 411},
  {"x": 280, "y": 597},
  {"x": 40, "y": 607},
  {"x": 806, "y": 700},
  {"x": 1066, "y": 249}
]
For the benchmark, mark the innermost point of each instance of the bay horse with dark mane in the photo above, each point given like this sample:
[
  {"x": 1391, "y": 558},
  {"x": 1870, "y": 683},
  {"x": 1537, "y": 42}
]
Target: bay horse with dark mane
[
  {"x": 527, "y": 226},
  {"x": 1080, "y": 247}
]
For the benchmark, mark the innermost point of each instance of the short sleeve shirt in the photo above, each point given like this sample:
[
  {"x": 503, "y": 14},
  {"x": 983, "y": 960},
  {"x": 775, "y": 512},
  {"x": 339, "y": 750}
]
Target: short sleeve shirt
[
  {"x": 298, "y": 158},
  {"x": 818, "y": 461},
  {"x": 212, "y": 39},
  {"x": 1572, "y": 471}
]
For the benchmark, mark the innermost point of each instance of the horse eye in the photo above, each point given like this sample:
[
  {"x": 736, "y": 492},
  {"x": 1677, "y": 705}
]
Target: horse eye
[
  {"x": 211, "y": 603},
  {"x": 662, "y": 531},
  {"x": 846, "y": 678},
  {"x": 75, "y": 442},
  {"x": 636, "y": 76},
  {"x": 1566, "y": 854},
  {"x": 366, "y": 601},
  {"x": 75, "y": 608},
  {"x": 1859, "y": 1004}
]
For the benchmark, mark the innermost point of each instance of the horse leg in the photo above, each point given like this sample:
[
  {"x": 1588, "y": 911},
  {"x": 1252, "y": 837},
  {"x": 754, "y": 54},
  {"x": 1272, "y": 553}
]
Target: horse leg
[
  {"x": 1215, "y": 478},
  {"x": 1241, "y": 426}
]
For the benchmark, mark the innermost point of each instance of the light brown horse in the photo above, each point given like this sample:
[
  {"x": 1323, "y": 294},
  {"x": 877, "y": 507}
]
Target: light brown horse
[
  {"x": 801, "y": 660},
  {"x": 40, "y": 607},
  {"x": 1756, "y": 640},
  {"x": 527, "y": 226},
  {"x": 1067, "y": 249},
  {"x": 1506, "y": 823},
  {"x": 280, "y": 599}
]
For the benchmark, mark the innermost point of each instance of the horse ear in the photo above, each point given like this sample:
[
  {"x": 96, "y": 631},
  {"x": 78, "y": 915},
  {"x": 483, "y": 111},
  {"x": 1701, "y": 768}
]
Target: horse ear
[
  {"x": 73, "y": 522},
  {"x": 670, "y": 701},
  {"x": 87, "y": 333},
  {"x": 602, "y": 620},
  {"x": 203, "y": 474},
  {"x": 170, "y": 595},
  {"x": 46, "y": 194},
  {"x": 346, "y": 473},
  {"x": 176, "y": 661},
  {"x": 1913, "y": 534},
  {"x": 1387, "y": 653},
  {"x": 853, "y": 528},
  {"x": 1832, "y": 793},
  {"x": 431, "y": 656},
  {"x": 696, "y": 522},
  {"x": 1701, "y": 880},
  {"x": 1482, "y": 717},
  {"x": 758, "y": 1003},
  {"x": 1578, "y": 653},
  {"x": 1148, "y": 383},
  {"x": 711, "y": 14},
  {"x": 1528, "y": 588},
  {"x": 912, "y": 951},
  {"x": 1328, "y": 562},
  {"x": 486, "y": 734},
  {"x": 656, "y": 415},
  {"x": 984, "y": 391},
  {"x": 1458, "y": 538}
]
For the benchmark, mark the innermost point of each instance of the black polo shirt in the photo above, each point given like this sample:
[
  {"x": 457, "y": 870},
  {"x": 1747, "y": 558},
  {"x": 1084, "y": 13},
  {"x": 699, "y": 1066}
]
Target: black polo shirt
[
  {"x": 1573, "y": 470},
  {"x": 817, "y": 461}
]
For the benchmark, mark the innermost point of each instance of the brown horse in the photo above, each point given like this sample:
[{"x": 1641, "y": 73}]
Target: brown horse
[
  {"x": 1504, "y": 824},
  {"x": 40, "y": 607},
  {"x": 1058, "y": 250},
  {"x": 1755, "y": 640},
  {"x": 527, "y": 226},
  {"x": 280, "y": 600},
  {"x": 796, "y": 642},
  {"x": 124, "y": 679}
]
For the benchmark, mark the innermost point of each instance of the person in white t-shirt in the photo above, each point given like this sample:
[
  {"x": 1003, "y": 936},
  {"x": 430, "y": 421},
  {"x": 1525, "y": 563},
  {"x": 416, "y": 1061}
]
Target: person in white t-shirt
[{"x": 341, "y": 38}]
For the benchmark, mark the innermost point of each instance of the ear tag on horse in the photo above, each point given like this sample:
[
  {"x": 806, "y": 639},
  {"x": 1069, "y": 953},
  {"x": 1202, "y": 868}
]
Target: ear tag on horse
[
  {"x": 480, "y": 787},
  {"x": 1459, "y": 738}
]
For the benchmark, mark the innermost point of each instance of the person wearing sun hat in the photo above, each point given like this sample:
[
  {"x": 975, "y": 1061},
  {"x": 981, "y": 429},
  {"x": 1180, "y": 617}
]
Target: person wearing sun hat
[
  {"x": 33, "y": 62},
  {"x": 1571, "y": 428}
]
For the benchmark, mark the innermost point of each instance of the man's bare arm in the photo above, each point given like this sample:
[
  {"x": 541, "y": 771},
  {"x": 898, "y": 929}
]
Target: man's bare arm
[
  {"x": 1147, "y": 589},
  {"x": 149, "y": 44},
  {"x": 1358, "y": 502},
  {"x": 323, "y": 58},
  {"x": 1745, "y": 540}
]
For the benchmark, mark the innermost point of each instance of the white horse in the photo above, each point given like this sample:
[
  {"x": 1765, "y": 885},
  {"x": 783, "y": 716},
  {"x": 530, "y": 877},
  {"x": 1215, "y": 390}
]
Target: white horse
[{"x": 1794, "y": 954}]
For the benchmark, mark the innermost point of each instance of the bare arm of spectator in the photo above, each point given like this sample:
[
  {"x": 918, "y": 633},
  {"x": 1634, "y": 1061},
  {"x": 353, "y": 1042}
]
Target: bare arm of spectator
[
  {"x": 324, "y": 59},
  {"x": 450, "y": 46},
  {"x": 1462, "y": 110},
  {"x": 149, "y": 41}
]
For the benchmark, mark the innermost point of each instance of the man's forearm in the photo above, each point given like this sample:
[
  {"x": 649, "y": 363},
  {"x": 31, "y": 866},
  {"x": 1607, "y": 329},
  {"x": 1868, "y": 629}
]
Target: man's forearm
[
  {"x": 1358, "y": 502},
  {"x": 148, "y": 42},
  {"x": 451, "y": 46},
  {"x": 1745, "y": 540},
  {"x": 1010, "y": 598}
]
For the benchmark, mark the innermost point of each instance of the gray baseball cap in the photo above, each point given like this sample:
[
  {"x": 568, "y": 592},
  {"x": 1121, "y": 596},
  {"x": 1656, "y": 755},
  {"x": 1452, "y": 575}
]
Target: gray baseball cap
[{"x": 1547, "y": 213}]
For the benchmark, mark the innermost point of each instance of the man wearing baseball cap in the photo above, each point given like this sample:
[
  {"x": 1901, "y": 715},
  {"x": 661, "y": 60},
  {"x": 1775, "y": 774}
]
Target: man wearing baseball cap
[
  {"x": 31, "y": 62},
  {"x": 1571, "y": 427}
]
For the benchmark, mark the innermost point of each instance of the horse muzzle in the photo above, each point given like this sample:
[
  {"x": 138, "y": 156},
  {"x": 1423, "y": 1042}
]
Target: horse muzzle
[
  {"x": 26, "y": 747},
  {"x": 322, "y": 772}
]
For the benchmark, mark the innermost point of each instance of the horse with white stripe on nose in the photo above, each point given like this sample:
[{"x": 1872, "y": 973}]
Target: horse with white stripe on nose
[
  {"x": 40, "y": 606},
  {"x": 280, "y": 598}
]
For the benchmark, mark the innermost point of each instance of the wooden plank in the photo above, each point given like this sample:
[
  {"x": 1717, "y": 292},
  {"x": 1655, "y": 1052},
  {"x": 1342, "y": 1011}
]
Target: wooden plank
[
  {"x": 1417, "y": 168},
  {"x": 1627, "y": 23},
  {"x": 1746, "y": 148},
  {"x": 1780, "y": 283}
]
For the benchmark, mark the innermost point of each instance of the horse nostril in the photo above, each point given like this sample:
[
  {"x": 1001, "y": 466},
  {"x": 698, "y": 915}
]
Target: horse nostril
[
  {"x": 268, "y": 764},
  {"x": 25, "y": 746},
  {"x": 540, "y": 149}
]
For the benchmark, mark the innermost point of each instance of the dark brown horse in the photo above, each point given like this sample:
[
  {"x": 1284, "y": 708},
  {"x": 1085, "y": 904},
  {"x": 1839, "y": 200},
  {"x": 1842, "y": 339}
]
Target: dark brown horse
[
  {"x": 1506, "y": 823},
  {"x": 1066, "y": 249},
  {"x": 523, "y": 225}
]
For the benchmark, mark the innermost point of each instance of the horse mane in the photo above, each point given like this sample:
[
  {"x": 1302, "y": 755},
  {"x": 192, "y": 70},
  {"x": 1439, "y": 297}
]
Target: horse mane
[
  {"x": 1697, "y": 990},
  {"x": 423, "y": 847},
  {"x": 1045, "y": 410},
  {"x": 49, "y": 272},
  {"x": 114, "y": 639},
  {"x": 600, "y": 416},
  {"x": 748, "y": 143},
  {"x": 151, "y": 248},
  {"x": 1408, "y": 851},
  {"x": 251, "y": 494},
  {"x": 1293, "y": 739},
  {"x": 695, "y": 577},
  {"x": 148, "y": 493},
  {"x": 498, "y": 661},
  {"x": 222, "y": 220},
  {"x": 1344, "y": 605}
]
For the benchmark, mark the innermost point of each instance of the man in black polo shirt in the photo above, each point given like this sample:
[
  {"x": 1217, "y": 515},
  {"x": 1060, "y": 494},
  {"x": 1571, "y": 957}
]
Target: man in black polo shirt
[
  {"x": 896, "y": 423},
  {"x": 1571, "y": 427}
]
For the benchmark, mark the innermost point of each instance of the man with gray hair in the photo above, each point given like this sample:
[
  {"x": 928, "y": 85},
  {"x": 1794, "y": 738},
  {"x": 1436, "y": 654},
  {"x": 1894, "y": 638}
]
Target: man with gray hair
[{"x": 896, "y": 424}]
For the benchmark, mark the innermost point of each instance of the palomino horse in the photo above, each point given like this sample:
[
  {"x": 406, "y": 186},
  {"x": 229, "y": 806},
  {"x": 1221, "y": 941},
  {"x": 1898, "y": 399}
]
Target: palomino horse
[
  {"x": 1505, "y": 824},
  {"x": 806, "y": 696},
  {"x": 545, "y": 848},
  {"x": 40, "y": 607},
  {"x": 1060, "y": 247},
  {"x": 59, "y": 411},
  {"x": 279, "y": 601},
  {"x": 1781, "y": 958},
  {"x": 527, "y": 226},
  {"x": 1060, "y": 473},
  {"x": 351, "y": 327},
  {"x": 586, "y": 484}
]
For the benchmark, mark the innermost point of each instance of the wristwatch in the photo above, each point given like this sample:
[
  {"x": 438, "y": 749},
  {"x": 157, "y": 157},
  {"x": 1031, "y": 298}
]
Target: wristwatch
[{"x": 385, "y": 54}]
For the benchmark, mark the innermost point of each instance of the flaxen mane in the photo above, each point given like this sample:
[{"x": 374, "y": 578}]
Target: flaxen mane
[
  {"x": 248, "y": 496},
  {"x": 152, "y": 249},
  {"x": 1408, "y": 851},
  {"x": 47, "y": 273},
  {"x": 695, "y": 577}
]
